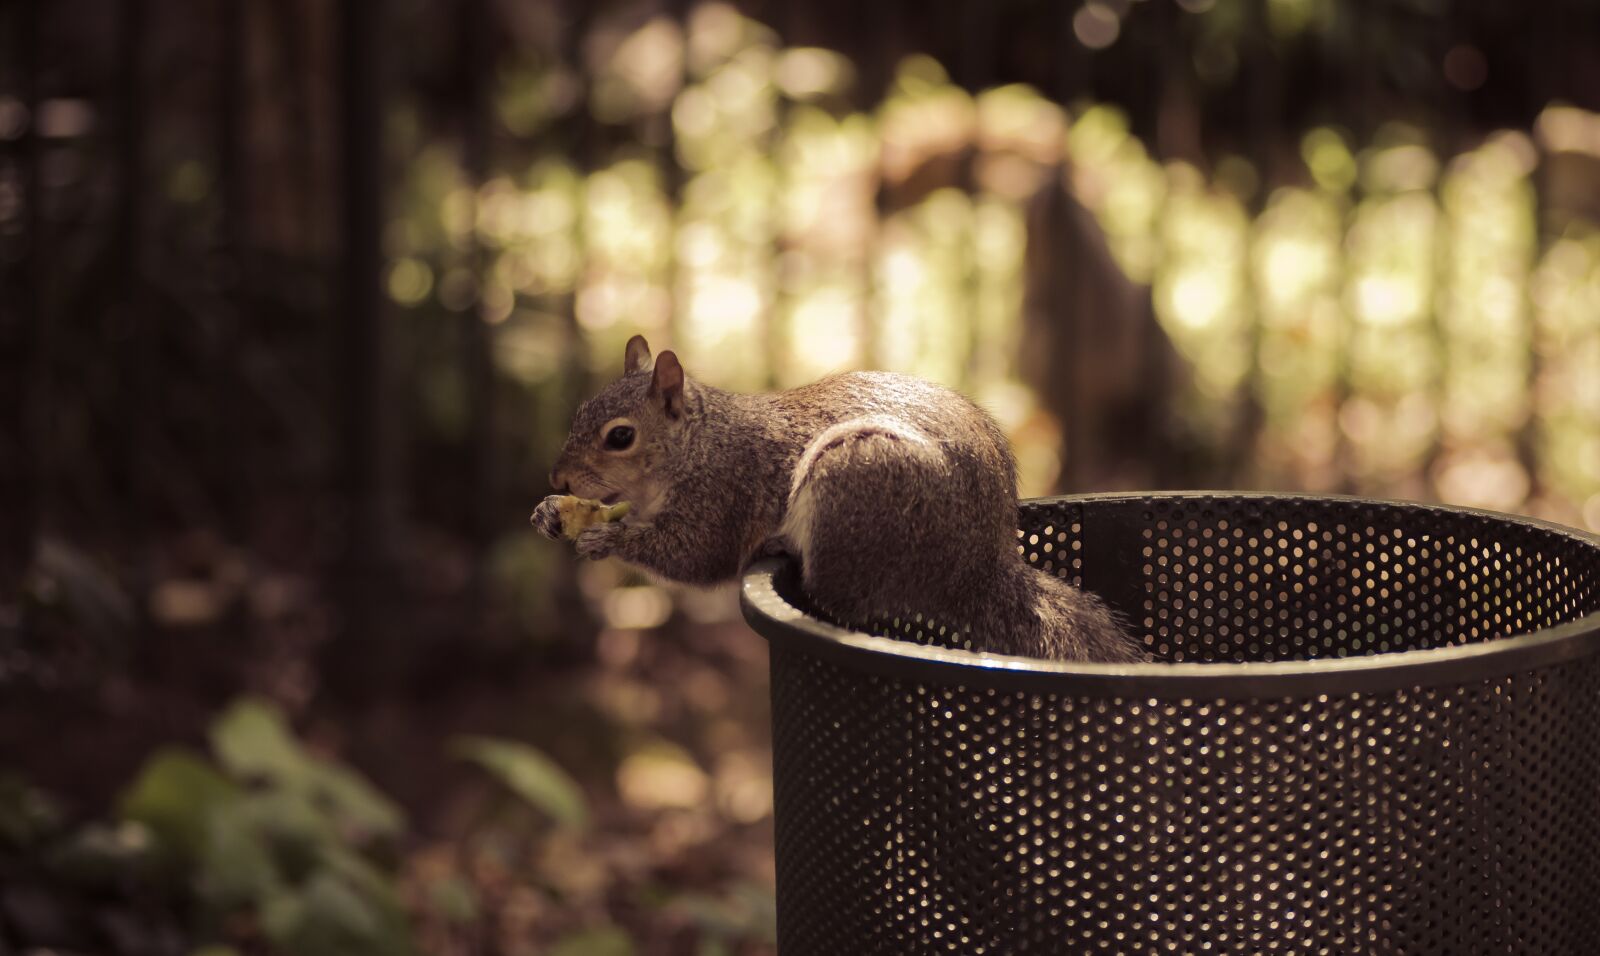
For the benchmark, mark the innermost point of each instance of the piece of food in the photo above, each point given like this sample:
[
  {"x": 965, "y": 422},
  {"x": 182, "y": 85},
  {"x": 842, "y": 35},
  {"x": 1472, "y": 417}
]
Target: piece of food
[{"x": 580, "y": 513}]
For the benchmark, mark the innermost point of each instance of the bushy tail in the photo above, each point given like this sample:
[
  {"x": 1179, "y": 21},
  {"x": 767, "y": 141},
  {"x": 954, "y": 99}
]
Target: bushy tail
[{"x": 1040, "y": 615}]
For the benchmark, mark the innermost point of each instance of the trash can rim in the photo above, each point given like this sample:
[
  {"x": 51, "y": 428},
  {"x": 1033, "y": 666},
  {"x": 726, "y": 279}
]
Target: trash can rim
[{"x": 787, "y": 626}]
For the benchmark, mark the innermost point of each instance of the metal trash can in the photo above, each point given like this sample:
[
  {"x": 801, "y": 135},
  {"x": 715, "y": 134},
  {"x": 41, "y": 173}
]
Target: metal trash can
[{"x": 1372, "y": 727}]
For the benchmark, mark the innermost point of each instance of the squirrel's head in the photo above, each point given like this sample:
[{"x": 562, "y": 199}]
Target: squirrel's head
[{"x": 621, "y": 437}]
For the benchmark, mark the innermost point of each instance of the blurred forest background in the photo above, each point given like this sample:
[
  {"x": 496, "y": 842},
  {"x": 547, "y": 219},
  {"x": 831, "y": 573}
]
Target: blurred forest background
[{"x": 299, "y": 296}]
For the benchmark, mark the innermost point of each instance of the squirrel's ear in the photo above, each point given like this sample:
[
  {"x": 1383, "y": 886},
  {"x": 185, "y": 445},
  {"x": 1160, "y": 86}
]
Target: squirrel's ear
[
  {"x": 668, "y": 383},
  {"x": 637, "y": 355}
]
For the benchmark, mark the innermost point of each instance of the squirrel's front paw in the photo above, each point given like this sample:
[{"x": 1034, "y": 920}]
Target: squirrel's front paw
[
  {"x": 546, "y": 518},
  {"x": 600, "y": 541}
]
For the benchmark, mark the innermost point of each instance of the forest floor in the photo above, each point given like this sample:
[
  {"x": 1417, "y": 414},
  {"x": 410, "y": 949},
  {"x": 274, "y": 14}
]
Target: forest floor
[{"x": 665, "y": 731}]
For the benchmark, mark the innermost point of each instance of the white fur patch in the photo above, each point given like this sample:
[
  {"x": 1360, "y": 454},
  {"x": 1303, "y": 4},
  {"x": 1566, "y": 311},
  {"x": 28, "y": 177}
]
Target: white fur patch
[{"x": 799, "y": 519}]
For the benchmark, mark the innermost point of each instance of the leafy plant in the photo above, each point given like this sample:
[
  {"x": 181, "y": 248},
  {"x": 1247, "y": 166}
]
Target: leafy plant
[
  {"x": 747, "y": 913},
  {"x": 253, "y": 742},
  {"x": 603, "y": 941},
  {"x": 276, "y": 834},
  {"x": 26, "y": 814},
  {"x": 530, "y": 775}
]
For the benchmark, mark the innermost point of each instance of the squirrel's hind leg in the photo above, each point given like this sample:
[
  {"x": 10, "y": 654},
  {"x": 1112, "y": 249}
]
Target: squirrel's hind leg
[{"x": 868, "y": 517}]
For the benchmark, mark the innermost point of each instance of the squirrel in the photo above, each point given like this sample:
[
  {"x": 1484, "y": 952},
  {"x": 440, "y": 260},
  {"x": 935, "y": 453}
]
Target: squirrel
[{"x": 896, "y": 496}]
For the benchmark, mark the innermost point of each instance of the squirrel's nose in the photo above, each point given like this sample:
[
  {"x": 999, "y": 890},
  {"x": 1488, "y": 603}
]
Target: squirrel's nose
[{"x": 558, "y": 482}]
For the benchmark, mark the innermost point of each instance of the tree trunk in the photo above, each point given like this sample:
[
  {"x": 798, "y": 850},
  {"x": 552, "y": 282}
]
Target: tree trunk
[
  {"x": 24, "y": 338},
  {"x": 483, "y": 511},
  {"x": 361, "y": 657}
]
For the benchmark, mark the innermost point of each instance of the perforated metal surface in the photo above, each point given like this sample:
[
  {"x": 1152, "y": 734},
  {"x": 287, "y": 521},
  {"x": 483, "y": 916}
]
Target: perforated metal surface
[{"x": 1446, "y": 801}]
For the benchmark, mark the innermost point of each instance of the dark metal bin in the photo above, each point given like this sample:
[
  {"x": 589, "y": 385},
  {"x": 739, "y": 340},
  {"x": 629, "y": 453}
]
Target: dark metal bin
[{"x": 1374, "y": 728}]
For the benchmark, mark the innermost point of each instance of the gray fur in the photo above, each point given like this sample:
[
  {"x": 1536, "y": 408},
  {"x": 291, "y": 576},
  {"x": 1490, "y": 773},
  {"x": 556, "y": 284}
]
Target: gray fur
[{"x": 897, "y": 496}]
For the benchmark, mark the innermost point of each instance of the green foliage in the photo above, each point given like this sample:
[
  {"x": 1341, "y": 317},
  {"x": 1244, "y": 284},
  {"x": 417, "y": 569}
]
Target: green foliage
[
  {"x": 332, "y": 914},
  {"x": 747, "y": 913},
  {"x": 604, "y": 941},
  {"x": 175, "y": 796},
  {"x": 26, "y": 814},
  {"x": 266, "y": 847},
  {"x": 529, "y": 774},
  {"x": 454, "y": 899},
  {"x": 100, "y": 855},
  {"x": 275, "y": 834},
  {"x": 253, "y": 742}
]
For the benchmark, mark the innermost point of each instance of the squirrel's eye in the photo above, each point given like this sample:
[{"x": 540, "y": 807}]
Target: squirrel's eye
[{"x": 619, "y": 438}]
